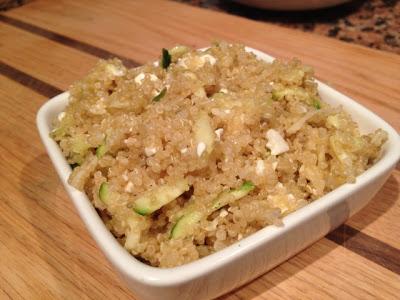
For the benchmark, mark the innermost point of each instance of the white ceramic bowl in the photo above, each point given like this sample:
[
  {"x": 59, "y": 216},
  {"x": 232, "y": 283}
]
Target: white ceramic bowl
[
  {"x": 237, "y": 264},
  {"x": 292, "y": 4}
]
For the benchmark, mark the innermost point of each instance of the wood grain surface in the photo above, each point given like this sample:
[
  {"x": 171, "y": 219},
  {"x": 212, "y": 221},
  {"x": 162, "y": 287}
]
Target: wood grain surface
[{"x": 45, "y": 251}]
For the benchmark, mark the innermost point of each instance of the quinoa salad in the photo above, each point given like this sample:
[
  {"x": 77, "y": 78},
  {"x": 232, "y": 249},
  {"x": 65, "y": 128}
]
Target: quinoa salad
[{"x": 187, "y": 155}]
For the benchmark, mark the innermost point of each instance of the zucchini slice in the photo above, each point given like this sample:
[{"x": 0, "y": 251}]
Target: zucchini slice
[
  {"x": 104, "y": 193},
  {"x": 101, "y": 150},
  {"x": 185, "y": 224},
  {"x": 165, "y": 58},
  {"x": 231, "y": 196},
  {"x": 153, "y": 200}
]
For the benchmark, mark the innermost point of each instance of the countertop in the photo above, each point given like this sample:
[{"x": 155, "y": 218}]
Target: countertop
[
  {"x": 45, "y": 45},
  {"x": 371, "y": 23}
]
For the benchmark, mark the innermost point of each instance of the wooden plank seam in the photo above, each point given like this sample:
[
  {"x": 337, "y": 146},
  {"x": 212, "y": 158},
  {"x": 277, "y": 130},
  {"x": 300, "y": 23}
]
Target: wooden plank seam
[
  {"x": 35, "y": 84},
  {"x": 67, "y": 41}
]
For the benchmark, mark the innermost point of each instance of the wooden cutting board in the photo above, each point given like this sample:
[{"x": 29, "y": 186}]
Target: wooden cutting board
[{"x": 45, "y": 251}]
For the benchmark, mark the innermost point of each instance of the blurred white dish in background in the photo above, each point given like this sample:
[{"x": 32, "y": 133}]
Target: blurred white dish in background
[{"x": 291, "y": 4}]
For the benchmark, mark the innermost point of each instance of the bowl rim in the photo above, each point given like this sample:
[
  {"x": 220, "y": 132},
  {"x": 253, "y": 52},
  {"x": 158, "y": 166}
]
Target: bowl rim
[{"x": 132, "y": 268}]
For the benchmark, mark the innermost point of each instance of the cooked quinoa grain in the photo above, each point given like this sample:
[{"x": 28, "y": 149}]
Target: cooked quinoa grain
[{"x": 185, "y": 157}]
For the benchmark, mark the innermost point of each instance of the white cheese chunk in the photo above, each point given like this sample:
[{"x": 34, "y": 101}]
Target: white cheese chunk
[
  {"x": 276, "y": 142},
  {"x": 200, "y": 148},
  {"x": 260, "y": 167},
  {"x": 139, "y": 78},
  {"x": 219, "y": 132},
  {"x": 128, "y": 187},
  {"x": 114, "y": 70},
  {"x": 223, "y": 213},
  {"x": 61, "y": 116},
  {"x": 196, "y": 62},
  {"x": 182, "y": 63},
  {"x": 149, "y": 151},
  {"x": 153, "y": 77},
  {"x": 209, "y": 58},
  {"x": 98, "y": 108},
  {"x": 125, "y": 176}
]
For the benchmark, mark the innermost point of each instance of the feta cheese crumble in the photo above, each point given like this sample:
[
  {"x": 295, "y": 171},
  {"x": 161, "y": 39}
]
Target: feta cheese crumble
[
  {"x": 260, "y": 167},
  {"x": 139, "y": 78},
  {"x": 200, "y": 148},
  {"x": 208, "y": 58},
  {"x": 219, "y": 132},
  {"x": 128, "y": 187},
  {"x": 153, "y": 77},
  {"x": 276, "y": 142},
  {"x": 149, "y": 151},
  {"x": 61, "y": 116},
  {"x": 115, "y": 70}
]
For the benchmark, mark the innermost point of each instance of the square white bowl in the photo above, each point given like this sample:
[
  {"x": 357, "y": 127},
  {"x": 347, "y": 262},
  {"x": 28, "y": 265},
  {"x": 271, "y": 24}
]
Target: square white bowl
[{"x": 243, "y": 261}]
